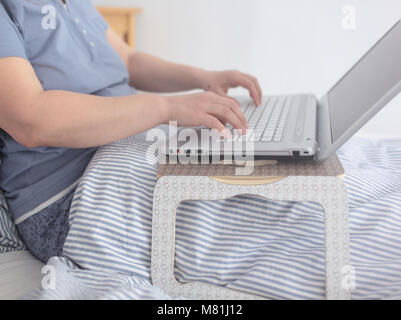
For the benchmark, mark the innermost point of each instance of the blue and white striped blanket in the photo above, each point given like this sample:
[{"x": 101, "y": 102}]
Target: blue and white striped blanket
[{"x": 248, "y": 243}]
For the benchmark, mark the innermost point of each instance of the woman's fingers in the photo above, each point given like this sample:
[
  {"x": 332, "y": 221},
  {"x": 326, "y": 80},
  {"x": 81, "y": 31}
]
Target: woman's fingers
[
  {"x": 238, "y": 111},
  {"x": 208, "y": 109},
  {"x": 225, "y": 80},
  {"x": 226, "y": 115},
  {"x": 234, "y": 105},
  {"x": 252, "y": 85},
  {"x": 248, "y": 84},
  {"x": 258, "y": 87},
  {"x": 228, "y": 110},
  {"x": 212, "y": 122}
]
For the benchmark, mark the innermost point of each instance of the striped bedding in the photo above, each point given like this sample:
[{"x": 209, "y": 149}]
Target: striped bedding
[
  {"x": 247, "y": 243},
  {"x": 9, "y": 239}
]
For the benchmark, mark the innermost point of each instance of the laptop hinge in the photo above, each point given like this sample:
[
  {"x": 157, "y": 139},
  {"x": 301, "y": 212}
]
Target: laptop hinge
[{"x": 323, "y": 135}]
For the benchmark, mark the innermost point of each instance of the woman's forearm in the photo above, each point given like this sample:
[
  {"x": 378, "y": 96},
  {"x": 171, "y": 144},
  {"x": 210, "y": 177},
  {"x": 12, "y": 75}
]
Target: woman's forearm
[
  {"x": 35, "y": 117},
  {"x": 152, "y": 74},
  {"x": 83, "y": 121}
]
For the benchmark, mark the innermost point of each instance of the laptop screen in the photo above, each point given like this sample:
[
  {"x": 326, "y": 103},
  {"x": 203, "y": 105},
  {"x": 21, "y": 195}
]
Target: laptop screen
[{"x": 365, "y": 84}]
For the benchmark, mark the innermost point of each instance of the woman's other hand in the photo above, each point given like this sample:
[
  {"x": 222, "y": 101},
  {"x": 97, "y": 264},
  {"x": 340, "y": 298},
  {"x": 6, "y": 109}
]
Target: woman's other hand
[{"x": 220, "y": 82}]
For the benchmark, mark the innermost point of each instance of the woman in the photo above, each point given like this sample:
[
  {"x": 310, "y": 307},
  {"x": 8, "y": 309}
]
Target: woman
[{"x": 66, "y": 87}]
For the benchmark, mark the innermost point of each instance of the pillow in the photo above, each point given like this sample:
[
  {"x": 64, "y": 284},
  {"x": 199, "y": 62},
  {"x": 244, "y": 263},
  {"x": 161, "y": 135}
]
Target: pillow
[{"x": 9, "y": 239}]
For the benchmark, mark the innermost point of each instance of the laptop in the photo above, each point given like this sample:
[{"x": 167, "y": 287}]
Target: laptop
[{"x": 304, "y": 127}]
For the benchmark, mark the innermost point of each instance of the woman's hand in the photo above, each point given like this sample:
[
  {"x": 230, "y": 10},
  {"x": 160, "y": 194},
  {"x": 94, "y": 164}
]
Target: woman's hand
[
  {"x": 221, "y": 81},
  {"x": 206, "y": 109},
  {"x": 214, "y": 108}
]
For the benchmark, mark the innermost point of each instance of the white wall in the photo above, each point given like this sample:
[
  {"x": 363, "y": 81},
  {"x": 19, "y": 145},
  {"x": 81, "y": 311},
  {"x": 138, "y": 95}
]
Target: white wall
[{"x": 291, "y": 45}]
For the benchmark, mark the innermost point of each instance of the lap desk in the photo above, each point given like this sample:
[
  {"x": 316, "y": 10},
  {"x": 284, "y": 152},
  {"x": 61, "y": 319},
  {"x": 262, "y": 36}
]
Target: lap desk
[{"x": 288, "y": 180}]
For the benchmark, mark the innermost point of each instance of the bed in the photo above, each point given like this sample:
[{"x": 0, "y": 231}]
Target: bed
[{"x": 246, "y": 243}]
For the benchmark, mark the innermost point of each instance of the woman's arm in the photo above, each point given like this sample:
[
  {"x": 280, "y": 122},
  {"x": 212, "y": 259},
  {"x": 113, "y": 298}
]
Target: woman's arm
[
  {"x": 35, "y": 117},
  {"x": 152, "y": 74}
]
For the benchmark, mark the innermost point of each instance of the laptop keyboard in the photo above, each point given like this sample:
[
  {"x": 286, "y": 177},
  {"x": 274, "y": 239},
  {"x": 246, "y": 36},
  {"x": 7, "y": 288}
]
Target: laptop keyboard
[{"x": 268, "y": 121}]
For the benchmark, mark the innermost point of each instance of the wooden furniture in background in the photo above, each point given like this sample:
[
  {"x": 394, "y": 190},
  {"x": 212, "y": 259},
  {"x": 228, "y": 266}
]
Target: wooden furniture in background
[{"x": 122, "y": 21}]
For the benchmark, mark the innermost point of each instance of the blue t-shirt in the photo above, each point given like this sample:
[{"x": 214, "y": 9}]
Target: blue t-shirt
[{"x": 68, "y": 49}]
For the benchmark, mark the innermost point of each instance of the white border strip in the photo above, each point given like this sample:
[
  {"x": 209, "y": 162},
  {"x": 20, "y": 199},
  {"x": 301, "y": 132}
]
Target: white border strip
[{"x": 47, "y": 203}]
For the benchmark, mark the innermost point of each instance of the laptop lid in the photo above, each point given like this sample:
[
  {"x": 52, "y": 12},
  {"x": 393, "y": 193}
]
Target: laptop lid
[{"x": 360, "y": 94}]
